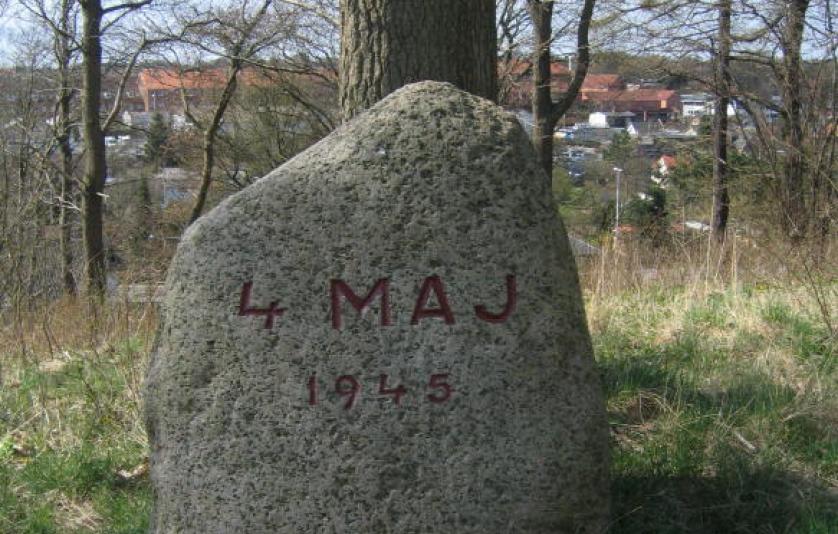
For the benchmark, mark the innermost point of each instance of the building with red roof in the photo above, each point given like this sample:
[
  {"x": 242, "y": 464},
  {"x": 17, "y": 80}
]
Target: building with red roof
[
  {"x": 597, "y": 83},
  {"x": 593, "y": 83},
  {"x": 600, "y": 92},
  {"x": 162, "y": 90},
  {"x": 517, "y": 74},
  {"x": 646, "y": 104}
]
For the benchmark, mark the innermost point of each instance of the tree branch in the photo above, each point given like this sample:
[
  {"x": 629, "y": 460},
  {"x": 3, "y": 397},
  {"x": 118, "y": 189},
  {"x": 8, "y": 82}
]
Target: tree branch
[{"x": 558, "y": 109}]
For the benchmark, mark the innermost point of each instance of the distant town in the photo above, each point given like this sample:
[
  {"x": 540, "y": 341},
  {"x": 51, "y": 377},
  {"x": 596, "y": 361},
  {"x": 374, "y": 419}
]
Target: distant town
[{"x": 607, "y": 105}]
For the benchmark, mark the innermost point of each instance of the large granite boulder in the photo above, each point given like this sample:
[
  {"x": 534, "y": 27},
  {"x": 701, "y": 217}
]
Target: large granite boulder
[{"x": 385, "y": 334}]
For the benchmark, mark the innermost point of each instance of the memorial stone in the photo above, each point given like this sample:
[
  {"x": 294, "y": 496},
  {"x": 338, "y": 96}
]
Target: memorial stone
[{"x": 384, "y": 335}]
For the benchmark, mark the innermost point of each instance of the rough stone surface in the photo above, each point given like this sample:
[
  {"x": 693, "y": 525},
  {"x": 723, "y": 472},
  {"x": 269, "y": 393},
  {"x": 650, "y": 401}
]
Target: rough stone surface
[{"x": 431, "y": 181}]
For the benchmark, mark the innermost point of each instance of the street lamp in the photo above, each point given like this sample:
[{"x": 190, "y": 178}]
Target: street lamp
[{"x": 618, "y": 171}]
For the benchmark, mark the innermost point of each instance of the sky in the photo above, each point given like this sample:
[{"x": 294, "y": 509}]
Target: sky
[{"x": 13, "y": 28}]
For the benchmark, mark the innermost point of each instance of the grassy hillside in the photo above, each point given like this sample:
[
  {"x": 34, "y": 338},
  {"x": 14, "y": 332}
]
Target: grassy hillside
[
  {"x": 72, "y": 445},
  {"x": 723, "y": 409},
  {"x": 722, "y": 397}
]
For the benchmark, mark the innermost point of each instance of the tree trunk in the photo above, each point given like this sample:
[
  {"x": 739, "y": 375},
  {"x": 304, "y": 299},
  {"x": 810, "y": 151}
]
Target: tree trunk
[
  {"x": 243, "y": 49},
  {"x": 210, "y": 135},
  {"x": 4, "y": 223},
  {"x": 544, "y": 123},
  {"x": 206, "y": 176},
  {"x": 721, "y": 198},
  {"x": 386, "y": 44},
  {"x": 794, "y": 216},
  {"x": 64, "y": 128},
  {"x": 94, "y": 141},
  {"x": 546, "y": 113},
  {"x": 67, "y": 210}
]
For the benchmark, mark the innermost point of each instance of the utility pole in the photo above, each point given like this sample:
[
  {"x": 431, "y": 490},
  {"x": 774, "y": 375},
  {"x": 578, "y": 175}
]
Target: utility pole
[{"x": 618, "y": 171}]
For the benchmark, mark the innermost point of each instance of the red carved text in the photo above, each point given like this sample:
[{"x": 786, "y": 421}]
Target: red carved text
[
  {"x": 246, "y": 309},
  {"x": 432, "y": 283},
  {"x": 511, "y": 298},
  {"x": 339, "y": 287}
]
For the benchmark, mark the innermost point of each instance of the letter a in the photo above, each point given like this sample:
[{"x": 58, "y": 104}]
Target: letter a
[{"x": 420, "y": 311}]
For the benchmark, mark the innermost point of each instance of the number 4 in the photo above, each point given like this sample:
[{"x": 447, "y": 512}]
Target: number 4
[
  {"x": 397, "y": 392},
  {"x": 246, "y": 309}
]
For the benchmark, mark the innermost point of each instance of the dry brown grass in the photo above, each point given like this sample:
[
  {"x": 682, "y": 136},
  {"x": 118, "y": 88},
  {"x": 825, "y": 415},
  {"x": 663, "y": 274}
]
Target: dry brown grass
[{"x": 47, "y": 331}]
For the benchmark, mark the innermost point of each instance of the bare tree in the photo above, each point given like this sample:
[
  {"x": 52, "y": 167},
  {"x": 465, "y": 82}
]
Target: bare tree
[
  {"x": 801, "y": 154},
  {"x": 721, "y": 197},
  {"x": 794, "y": 218},
  {"x": 59, "y": 20},
  {"x": 763, "y": 66},
  {"x": 546, "y": 113},
  {"x": 273, "y": 48},
  {"x": 26, "y": 257},
  {"x": 512, "y": 22},
  {"x": 237, "y": 36},
  {"x": 64, "y": 49},
  {"x": 272, "y": 121},
  {"x": 93, "y": 132}
]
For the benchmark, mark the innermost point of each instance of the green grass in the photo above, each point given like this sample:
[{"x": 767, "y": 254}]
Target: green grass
[
  {"x": 724, "y": 413},
  {"x": 723, "y": 409},
  {"x": 68, "y": 427}
]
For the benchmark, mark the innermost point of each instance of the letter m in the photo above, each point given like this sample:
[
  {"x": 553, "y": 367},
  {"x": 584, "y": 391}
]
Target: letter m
[{"x": 339, "y": 289}]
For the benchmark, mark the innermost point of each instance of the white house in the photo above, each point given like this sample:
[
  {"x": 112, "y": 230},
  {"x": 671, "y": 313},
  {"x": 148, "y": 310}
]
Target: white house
[
  {"x": 701, "y": 104},
  {"x": 610, "y": 119},
  {"x": 696, "y": 105}
]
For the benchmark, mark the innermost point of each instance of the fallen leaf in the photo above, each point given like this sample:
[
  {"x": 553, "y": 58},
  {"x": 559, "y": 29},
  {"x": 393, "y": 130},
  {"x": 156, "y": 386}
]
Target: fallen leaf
[{"x": 134, "y": 474}]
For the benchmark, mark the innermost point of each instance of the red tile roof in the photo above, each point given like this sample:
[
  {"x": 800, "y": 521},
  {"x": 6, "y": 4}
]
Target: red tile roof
[
  {"x": 156, "y": 79},
  {"x": 521, "y": 67},
  {"x": 635, "y": 100},
  {"x": 602, "y": 82},
  {"x": 212, "y": 78},
  {"x": 634, "y": 95}
]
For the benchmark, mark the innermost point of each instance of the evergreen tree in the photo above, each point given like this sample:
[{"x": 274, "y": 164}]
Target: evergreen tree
[
  {"x": 620, "y": 150},
  {"x": 158, "y": 134},
  {"x": 142, "y": 213}
]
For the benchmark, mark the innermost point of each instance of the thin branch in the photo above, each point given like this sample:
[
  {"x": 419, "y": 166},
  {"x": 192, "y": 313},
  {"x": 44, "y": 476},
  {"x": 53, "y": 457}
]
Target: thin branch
[
  {"x": 558, "y": 109},
  {"x": 127, "y": 6}
]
